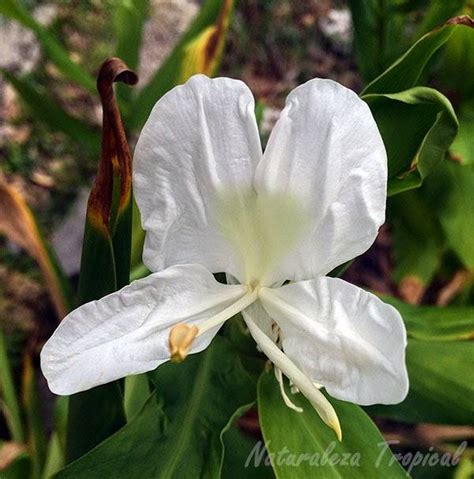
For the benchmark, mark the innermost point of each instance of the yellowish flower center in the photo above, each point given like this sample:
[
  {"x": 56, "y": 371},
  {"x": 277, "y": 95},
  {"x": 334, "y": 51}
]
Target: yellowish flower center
[{"x": 262, "y": 229}]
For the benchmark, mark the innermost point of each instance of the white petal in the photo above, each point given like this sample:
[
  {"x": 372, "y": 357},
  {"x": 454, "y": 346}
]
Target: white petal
[
  {"x": 343, "y": 337},
  {"x": 127, "y": 332},
  {"x": 327, "y": 153},
  {"x": 200, "y": 139}
]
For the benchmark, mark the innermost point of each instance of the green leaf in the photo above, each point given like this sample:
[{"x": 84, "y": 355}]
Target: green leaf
[
  {"x": 46, "y": 110},
  {"x": 438, "y": 12},
  {"x": 105, "y": 262},
  {"x": 138, "y": 239},
  {"x": 137, "y": 391},
  {"x": 406, "y": 71},
  {"x": 458, "y": 56},
  {"x": 34, "y": 420},
  {"x": 451, "y": 197},
  {"x": 213, "y": 14},
  {"x": 463, "y": 146},
  {"x": 129, "y": 20},
  {"x": 450, "y": 192},
  {"x": 417, "y": 239},
  {"x": 178, "y": 433},
  {"x": 302, "y": 437},
  {"x": 56, "y": 454},
  {"x": 441, "y": 384},
  {"x": 418, "y": 126},
  {"x": 241, "y": 452},
  {"x": 9, "y": 398},
  {"x": 97, "y": 255},
  {"x": 93, "y": 416},
  {"x": 457, "y": 214},
  {"x": 378, "y": 35},
  {"x": 53, "y": 49},
  {"x": 434, "y": 323}
]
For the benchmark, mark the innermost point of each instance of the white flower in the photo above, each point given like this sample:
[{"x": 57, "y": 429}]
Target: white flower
[{"x": 212, "y": 202}]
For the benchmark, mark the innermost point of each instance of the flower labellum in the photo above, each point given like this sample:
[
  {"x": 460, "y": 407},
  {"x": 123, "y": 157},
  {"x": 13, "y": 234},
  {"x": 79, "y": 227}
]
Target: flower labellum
[{"x": 276, "y": 222}]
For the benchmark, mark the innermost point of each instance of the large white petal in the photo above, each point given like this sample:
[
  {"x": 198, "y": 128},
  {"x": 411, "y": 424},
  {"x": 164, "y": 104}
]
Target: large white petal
[
  {"x": 200, "y": 140},
  {"x": 326, "y": 153},
  {"x": 343, "y": 337},
  {"x": 127, "y": 332}
]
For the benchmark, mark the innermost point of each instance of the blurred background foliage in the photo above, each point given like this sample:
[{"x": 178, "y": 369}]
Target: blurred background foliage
[{"x": 414, "y": 71}]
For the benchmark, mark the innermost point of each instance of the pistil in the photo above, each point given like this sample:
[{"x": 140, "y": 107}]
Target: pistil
[{"x": 280, "y": 360}]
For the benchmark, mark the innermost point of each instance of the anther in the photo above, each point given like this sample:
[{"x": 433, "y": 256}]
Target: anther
[{"x": 180, "y": 341}]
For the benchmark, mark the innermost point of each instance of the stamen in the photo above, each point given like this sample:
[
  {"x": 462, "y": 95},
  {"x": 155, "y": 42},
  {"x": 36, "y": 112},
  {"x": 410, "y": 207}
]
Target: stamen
[
  {"x": 293, "y": 388},
  {"x": 289, "y": 403},
  {"x": 180, "y": 341},
  {"x": 182, "y": 335},
  {"x": 230, "y": 311},
  {"x": 302, "y": 382}
]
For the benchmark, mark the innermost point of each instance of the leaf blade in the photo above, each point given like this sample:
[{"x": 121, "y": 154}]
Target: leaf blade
[{"x": 306, "y": 437}]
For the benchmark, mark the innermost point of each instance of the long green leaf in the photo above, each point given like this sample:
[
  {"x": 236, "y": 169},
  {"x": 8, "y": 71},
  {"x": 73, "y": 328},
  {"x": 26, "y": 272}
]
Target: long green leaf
[
  {"x": 438, "y": 12},
  {"x": 129, "y": 20},
  {"x": 45, "y": 109},
  {"x": 450, "y": 194},
  {"x": 239, "y": 448},
  {"x": 8, "y": 395},
  {"x": 177, "y": 435},
  {"x": 441, "y": 384},
  {"x": 418, "y": 126},
  {"x": 418, "y": 242},
  {"x": 36, "y": 427},
  {"x": 56, "y": 453},
  {"x": 93, "y": 416},
  {"x": 105, "y": 263},
  {"x": 406, "y": 71},
  {"x": 463, "y": 146},
  {"x": 457, "y": 212},
  {"x": 434, "y": 323},
  {"x": 54, "y": 457},
  {"x": 378, "y": 35},
  {"x": 303, "y": 440},
  {"x": 137, "y": 391},
  {"x": 458, "y": 56},
  {"x": 54, "y": 50}
]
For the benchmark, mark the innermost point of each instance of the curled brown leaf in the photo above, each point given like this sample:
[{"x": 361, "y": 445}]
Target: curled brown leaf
[{"x": 115, "y": 153}]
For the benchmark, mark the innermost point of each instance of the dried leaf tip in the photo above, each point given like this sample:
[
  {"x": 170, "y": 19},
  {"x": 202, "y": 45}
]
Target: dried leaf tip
[
  {"x": 461, "y": 20},
  {"x": 115, "y": 158}
]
